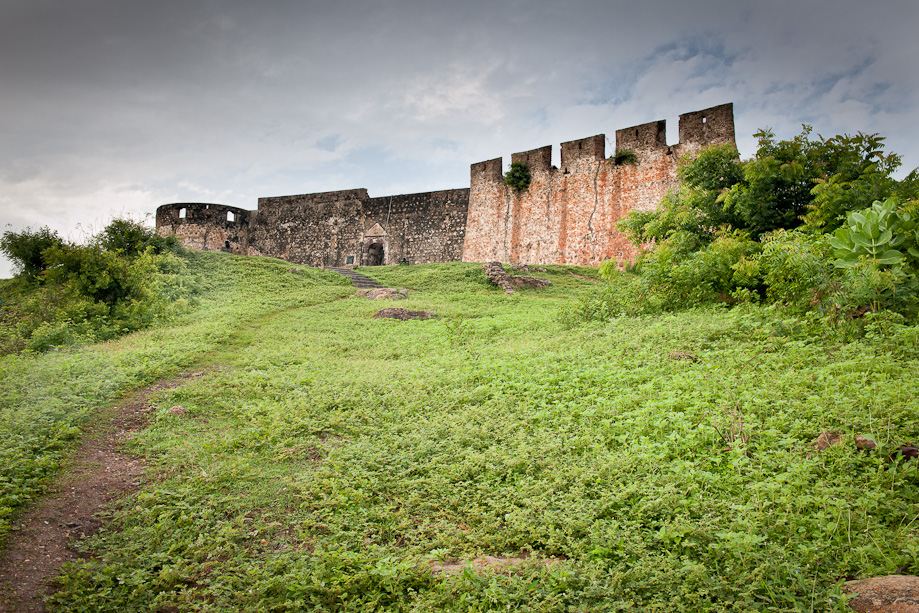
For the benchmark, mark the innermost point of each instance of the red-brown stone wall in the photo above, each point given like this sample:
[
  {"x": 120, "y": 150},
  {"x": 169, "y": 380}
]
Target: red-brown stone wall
[
  {"x": 563, "y": 218},
  {"x": 569, "y": 215}
]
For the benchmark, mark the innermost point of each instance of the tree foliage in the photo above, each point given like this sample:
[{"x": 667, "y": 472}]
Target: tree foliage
[
  {"x": 814, "y": 224},
  {"x": 131, "y": 238},
  {"x": 119, "y": 281},
  {"x": 26, "y": 249},
  {"x": 802, "y": 182}
]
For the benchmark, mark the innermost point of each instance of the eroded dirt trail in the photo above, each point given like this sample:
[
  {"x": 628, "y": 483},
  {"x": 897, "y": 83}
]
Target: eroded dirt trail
[{"x": 98, "y": 473}]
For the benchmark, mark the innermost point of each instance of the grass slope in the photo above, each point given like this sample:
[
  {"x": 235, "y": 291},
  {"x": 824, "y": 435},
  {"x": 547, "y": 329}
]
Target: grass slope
[
  {"x": 332, "y": 458},
  {"x": 46, "y": 398}
]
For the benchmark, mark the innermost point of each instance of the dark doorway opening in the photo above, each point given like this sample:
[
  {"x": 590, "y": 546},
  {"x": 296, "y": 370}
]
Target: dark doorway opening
[{"x": 374, "y": 254}]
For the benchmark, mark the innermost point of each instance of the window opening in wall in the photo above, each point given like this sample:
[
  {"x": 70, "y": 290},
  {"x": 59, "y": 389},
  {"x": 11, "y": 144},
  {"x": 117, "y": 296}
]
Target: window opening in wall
[
  {"x": 704, "y": 119},
  {"x": 349, "y": 259},
  {"x": 231, "y": 216},
  {"x": 226, "y": 244},
  {"x": 182, "y": 213},
  {"x": 207, "y": 206}
]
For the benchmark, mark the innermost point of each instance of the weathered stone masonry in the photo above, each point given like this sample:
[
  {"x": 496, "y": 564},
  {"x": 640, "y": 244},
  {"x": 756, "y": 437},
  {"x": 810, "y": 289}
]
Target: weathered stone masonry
[
  {"x": 345, "y": 228},
  {"x": 566, "y": 216}
]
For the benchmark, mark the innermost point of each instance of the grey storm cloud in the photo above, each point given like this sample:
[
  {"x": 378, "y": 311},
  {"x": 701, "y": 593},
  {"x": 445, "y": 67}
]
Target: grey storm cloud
[{"x": 114, "y": 107}]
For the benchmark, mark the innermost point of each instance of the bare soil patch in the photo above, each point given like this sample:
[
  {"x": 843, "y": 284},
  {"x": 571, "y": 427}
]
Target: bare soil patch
[
  {"x": 484, "y": 563},
  {"x": 97, "y": 474}
]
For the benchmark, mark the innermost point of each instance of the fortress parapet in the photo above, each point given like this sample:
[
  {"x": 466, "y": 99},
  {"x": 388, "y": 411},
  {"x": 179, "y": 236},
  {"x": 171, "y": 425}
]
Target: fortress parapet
[
  {"x": 488, "y": 172},
  {"x": 712, "y": 126},
  {"x": 646, "y": 136},
  {"x": 537, "y": 160},
  {"x": 590, "y": 149}
]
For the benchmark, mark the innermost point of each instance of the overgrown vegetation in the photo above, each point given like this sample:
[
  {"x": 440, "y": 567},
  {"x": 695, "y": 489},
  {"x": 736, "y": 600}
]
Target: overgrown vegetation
[
  {"x": 625, "y": 157},
  {"x": 46, "y": 398},
  {"x": 517, "y": 176},
  {"x": 660, "y": 462},
  {"x": 122, "y": 280},
  {"x": 816, "y": 227}
]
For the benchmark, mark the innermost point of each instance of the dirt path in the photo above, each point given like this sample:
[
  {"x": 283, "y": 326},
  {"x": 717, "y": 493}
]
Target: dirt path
[{"x": 98, "y": 473}]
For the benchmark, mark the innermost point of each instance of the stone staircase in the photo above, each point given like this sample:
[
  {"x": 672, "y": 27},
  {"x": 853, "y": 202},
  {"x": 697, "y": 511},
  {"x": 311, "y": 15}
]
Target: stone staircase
[{"x": 357, "y": 279}]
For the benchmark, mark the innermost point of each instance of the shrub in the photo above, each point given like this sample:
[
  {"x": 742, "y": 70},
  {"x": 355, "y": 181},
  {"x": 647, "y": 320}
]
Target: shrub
[
  {"x": 794, "y": 267},
  {"x": 132, "y": 238},
  {"x": 26, "y": 249},
  {"x": 684, "y": 274},
  {"x": 876, "y": 233},
  {"x": 517, "y": 176},
  {"x": 695, "y": 206},
  {"x": 866, "y": 287},
  {"x": 123, "y": 280}
]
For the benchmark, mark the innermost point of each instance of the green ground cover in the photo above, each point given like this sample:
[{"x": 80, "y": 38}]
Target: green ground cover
[
  {"x": 45, "y": 398},
  {"x": 328, "y": 459}
]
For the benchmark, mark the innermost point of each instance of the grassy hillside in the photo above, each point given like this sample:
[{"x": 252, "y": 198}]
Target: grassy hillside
[
  {"x": 329, "y": 461},
  {"x": 46, "y": 398}
]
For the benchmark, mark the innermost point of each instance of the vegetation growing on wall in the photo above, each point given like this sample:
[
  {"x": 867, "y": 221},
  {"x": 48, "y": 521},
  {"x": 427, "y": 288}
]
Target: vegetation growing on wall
[
  {"x": 625, "y": 157},
  {"x": 517, "y": 176}
]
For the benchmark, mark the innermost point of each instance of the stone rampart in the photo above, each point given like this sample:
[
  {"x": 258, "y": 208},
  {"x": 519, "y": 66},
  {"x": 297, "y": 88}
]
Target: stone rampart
[{"x": 567, "y": 215}]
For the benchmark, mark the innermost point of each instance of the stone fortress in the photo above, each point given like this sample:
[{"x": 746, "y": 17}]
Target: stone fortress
[{"x": 567, "y": 215}]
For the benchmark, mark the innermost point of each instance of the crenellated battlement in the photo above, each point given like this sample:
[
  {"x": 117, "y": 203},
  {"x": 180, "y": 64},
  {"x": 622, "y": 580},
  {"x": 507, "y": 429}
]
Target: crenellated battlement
[
  {"x": 698, "y": 129},
  {"x": 712, "y": 126},
  {"x": 643, "y": 137},
  {"x": 488, "y": 171},
  {"x": 568, "y": 215},
  {"x": 592, "y": 148},
  {"x": 537, "y": 160}
]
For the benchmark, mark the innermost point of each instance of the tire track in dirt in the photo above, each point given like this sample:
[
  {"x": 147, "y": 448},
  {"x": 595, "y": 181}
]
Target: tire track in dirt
[{"x": 97, "y": 473}]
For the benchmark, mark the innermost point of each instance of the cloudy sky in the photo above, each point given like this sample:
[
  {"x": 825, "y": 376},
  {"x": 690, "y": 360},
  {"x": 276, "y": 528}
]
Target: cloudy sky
[{"x": 113, "y": 107}]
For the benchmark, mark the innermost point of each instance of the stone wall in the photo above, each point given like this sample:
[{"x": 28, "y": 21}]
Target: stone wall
[
  {"x": 567, "y": 215},
  {"x": 343, "y": 228},
  {"x": 205, "y": 226},
  {"x": 416, "y": 228},
  {"x": 312, "y": 229}
]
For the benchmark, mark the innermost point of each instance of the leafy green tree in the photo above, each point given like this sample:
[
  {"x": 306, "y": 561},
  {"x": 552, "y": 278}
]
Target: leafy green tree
[
  {"x": 132, "y": 238},
  {"x": 96, "y": 273},
  {"x": 813, "y": 182},
  {"x": 804, "y": 181},
  {"x": 27, "y": 249},
  {"x": 861, "y": 176}
]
